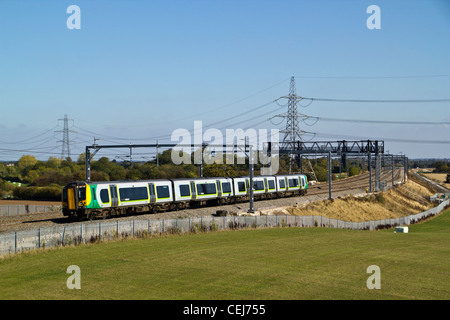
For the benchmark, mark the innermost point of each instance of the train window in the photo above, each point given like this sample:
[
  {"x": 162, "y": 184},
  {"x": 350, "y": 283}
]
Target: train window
[
  {"x": 271, "y": 184},
  {"x": 241, "y": 186},
  {"x": 200, "y": 189},
  {"x": 210, "y": 188},
  {"x": 282, "y": 184},
  {"x": 82, "y": 193},
  {"x": 184, "y": 190},
  {"x": 206, "y": 188},
  {"x": 226, "y": 187},
  {"x": 131, "y": 194},
  {"x": 258, "y": 185},
  {"x": 104, "y": 196},
  {"x": 293, "y": 183},
  {"x": 163, "y": 191}
]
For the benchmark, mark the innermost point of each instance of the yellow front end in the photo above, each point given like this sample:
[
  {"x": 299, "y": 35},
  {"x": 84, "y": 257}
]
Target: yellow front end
[{"x": 75, "y": 198}]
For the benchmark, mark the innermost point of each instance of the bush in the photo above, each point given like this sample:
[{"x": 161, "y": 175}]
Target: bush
[
  {"x": 38, "y": 193},
  {"x": 380, "y": 198},
  {"x": 321, "y": 173}
]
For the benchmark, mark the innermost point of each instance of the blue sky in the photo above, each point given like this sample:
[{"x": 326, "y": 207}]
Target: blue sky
[{"x": 138, "y": 70}]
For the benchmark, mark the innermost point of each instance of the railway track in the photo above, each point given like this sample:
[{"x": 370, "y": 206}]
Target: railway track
[{"x": 356, "y": 184}]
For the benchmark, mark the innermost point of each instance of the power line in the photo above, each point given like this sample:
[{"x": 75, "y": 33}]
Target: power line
[
  {"x": 375, "y": 101},
  {"x": 376, "y": 77},
  {"x": 389, "y": 139},
  {"x": 30, "y": 150},
  {"x": 237, "y": 101},
  {"x": 257, "y": 108},
  {"x": 396, "y": 122},
  {"x": 31, "y": 139}
]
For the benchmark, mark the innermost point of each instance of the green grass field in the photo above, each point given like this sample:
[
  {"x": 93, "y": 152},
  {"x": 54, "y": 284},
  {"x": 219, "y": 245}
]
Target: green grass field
[{"x": 266, "y": 264}]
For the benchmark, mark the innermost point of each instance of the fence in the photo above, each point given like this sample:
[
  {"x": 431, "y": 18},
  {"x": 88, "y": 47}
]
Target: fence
[
  {"x": 11, "y": 210},
  {"x": 439, "y": 197},
  {"x": 18, "y": 241}
]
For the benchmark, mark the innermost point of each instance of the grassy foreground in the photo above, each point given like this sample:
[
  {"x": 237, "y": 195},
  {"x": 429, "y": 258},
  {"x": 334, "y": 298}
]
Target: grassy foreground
[{"x": 269, "y": 264}]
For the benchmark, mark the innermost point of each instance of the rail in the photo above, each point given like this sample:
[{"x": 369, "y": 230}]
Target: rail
[{"x": 431, "y": 183}]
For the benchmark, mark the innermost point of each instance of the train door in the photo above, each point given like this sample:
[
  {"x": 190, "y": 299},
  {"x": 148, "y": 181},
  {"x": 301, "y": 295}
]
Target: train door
[
  {"x": 71, "y": 201},
  {"x": 151, "y": 188},
  {"x": 114, "y": 198},
  {"x": 193, "y": 190},
  {"x": 266, "y": 185},
  {"x": 219, "y": 188}
]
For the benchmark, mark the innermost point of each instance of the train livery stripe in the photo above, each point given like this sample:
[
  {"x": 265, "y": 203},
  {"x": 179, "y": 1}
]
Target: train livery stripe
[{"x": 94, "y": 204}]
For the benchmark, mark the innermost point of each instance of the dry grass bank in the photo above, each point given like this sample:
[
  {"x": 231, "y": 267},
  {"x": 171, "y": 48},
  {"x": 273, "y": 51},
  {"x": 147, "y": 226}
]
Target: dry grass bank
[
  {"x": 441, "y": 178},
  {"x": 386, "y": 205}
]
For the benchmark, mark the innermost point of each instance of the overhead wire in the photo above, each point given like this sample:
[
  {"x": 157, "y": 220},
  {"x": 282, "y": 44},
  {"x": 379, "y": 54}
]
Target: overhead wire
[
  {"x": 390, "y": 139},
  {"x": 237, "y": 101},
  {"x": 117, "y": 139},
  {"x": 396, "y": 122},
  {"x": 376, "y": 100},
  {"x": 374, "y": 77},
  {"x": 31, "y": 139}
]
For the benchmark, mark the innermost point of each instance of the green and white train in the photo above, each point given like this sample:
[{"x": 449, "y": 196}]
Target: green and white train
[{"x": 108, "y": 198}]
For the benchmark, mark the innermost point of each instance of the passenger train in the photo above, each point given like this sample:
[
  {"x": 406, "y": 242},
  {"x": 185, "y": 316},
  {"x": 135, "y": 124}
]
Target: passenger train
[{"x": 108, "y": 198}]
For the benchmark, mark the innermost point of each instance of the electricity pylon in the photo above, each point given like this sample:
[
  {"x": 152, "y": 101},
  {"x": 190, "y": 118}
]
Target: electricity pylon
[
  {"x": 292, "y": 132},
  {"x": 65, "y": 141}
]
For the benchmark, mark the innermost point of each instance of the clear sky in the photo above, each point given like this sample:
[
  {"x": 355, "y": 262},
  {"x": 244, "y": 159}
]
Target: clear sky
[{"x": 137, "y": 70}]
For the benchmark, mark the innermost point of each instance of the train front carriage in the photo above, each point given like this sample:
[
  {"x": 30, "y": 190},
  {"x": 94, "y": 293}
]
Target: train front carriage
[{"x": 76, "y": 196}]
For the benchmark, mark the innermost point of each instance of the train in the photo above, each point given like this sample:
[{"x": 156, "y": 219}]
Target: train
[{"x": 82, "y": 199}]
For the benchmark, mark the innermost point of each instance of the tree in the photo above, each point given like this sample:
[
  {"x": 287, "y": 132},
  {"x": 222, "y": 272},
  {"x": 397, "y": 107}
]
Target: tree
[
  {"x": 218, "y": 170},
  {"x": 113, "y": 170},
  {"x": 148, "y": 171},
  {"x": 3, "y": 170},
  {"x": 134, "y": 173},
  {"x": 25, "y": 163},
  {"x": 165, "y": 157},
  {"x": 81, "y": 158},
  {"x": 353, "y": 171},
  {"x": 321, "y": 173},
  {"x": 54, "y": 162}
]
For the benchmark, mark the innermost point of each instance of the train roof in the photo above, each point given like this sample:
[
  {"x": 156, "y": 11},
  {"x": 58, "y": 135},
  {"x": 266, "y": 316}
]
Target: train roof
[{"x": 180, "y": 179}]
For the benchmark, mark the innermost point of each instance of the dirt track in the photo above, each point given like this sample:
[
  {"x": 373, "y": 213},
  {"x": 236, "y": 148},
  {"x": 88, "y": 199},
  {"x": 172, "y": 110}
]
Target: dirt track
[{"x": 29, "y": 202}]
